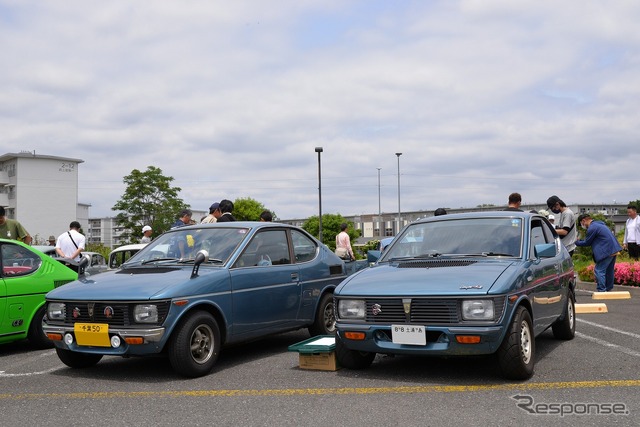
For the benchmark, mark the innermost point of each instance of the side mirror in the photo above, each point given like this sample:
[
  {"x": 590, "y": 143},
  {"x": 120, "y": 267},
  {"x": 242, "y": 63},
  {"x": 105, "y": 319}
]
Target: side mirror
[
  {"x": 545, "y": 250},
  {"x": 201, "y": 257}
]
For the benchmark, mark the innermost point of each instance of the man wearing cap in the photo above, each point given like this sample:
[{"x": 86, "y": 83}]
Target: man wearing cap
[
  {"x": 214, "y": 213},
  {"x": 566, "y": 225},
  {"x": 552, "y": 220},
  {"x": 52, "y": 240},
  {"x": 146, "y": 234},
  {"x": 605, "y": 248}
]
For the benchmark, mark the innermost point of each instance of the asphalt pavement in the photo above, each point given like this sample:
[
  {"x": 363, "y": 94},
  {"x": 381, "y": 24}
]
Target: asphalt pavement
[{"x": 591, "y": 380}]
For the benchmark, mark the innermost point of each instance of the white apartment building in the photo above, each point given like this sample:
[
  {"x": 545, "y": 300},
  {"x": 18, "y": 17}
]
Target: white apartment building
[{"x": 41, "y": 192}]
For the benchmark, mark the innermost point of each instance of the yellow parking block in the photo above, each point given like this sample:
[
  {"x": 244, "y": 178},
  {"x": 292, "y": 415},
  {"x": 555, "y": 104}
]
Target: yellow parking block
[
  {"x": 591, "y": 308},
  {"x": 611, "y": 295}
]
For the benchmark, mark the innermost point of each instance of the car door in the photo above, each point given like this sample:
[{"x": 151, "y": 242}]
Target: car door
[
  {"x": 544, "y": 276},
  {"x": 265, "y": 286},
  {"x": 22, "y": 290}
]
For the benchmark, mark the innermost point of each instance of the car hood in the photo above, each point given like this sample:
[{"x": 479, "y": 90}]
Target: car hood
[
  {"x": 143, "y": 283},
  {"x": 406, "y": 278}
]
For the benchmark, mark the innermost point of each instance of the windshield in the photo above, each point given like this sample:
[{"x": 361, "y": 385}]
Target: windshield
[
  {"x": 182, "y": 245},
  {"x": 460, "y": 237}
]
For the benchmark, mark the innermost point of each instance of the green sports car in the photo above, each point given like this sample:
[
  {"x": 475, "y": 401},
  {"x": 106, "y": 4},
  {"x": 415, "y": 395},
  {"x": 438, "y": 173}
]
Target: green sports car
[{"x": 26, "y": 276}]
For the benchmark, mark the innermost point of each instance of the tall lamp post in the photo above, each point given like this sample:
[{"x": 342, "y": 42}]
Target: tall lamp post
[
  {"x": 319, "y": 150},
  {"x": 379, "y": 208},
  {"x": 398, "y": 154}
]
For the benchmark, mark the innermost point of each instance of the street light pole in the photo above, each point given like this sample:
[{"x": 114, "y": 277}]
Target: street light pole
[
  {"x": 398, "y": 230},
  {"x": 379, "y": 208},
  {"x": 319, "y": 150}
]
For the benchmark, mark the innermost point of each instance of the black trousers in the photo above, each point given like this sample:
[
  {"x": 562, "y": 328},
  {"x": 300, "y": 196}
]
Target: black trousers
[{"x": 634, "y": 250}]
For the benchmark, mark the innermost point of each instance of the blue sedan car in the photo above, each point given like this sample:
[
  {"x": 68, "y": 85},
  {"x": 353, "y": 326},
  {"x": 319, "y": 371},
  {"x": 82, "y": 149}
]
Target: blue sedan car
[
  {"x": 193, "y": 290},
  {"x": 460, "y": 285}
]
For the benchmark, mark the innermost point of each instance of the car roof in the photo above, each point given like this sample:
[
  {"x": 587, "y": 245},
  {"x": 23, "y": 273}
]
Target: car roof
[{"x": 483, "y": 214}]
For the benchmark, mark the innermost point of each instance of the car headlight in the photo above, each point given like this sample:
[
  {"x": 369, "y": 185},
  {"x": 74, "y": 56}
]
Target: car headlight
[
  {"x": 56, "y": 311},
  {"x": 145, "y": 313},
  {"x": 351, "y": 309},
  {"x": 479, "y": 309}
]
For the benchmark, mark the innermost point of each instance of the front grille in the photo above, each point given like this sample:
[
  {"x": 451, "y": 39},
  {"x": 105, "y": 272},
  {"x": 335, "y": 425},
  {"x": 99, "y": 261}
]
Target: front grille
[
  {"x": 424, "y": 311},
  {"x": 121, "y": 313}
]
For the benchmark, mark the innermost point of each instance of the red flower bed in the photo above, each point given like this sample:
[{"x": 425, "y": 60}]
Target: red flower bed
[{"x": 626, "y": 273}]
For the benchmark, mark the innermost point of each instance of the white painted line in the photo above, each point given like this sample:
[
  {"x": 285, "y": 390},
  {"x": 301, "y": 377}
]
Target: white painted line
[
  {"x": 610, "y": 345},
  {"x": 29, "y": 374},
  {"x": 608, "y": 328}
]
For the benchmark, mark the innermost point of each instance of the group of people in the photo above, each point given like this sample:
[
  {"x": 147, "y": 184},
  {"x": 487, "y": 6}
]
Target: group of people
[
  {"x": 603, "y": 242},
  {"x": 68, "y": 245}
]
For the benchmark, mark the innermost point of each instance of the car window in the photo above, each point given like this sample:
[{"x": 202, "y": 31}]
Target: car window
[
  {"x": 459, "y": 237},
  {"x": 304, "y": 248},
  {"x": 266, "y": 248},
  {"x": 540, "y": 234},
  {"x": 18, "y": 261}
]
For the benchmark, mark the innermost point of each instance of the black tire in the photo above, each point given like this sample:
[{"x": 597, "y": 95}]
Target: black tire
[
  {"x": 516, "y": 354},
  {"x": 78, "y": 360},
  {"x": 36, "y": 335},
  {"x": 565, "y": 328},
  {"x": 352, "y": 359},
  {"x": 325, "y": 321},
  {"x": 195, "y": 345}
]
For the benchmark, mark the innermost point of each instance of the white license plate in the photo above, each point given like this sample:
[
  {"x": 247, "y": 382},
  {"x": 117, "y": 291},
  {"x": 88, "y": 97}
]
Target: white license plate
[{"x": 408, "y": 334}]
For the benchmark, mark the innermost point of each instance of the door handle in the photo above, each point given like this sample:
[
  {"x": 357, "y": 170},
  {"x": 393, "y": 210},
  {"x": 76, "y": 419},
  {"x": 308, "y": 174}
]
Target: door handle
[{"x": 295, "y": 277}]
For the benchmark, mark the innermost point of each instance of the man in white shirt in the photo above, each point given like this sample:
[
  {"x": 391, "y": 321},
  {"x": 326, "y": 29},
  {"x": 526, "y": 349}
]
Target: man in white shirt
[
  {"x": 71, "y": 244},
  {"x": 632, "y": 233}
]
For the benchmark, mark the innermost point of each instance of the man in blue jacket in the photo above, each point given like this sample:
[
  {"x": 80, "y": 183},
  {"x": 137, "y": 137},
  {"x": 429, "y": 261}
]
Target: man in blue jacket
[{"x": 605, "y": 248}]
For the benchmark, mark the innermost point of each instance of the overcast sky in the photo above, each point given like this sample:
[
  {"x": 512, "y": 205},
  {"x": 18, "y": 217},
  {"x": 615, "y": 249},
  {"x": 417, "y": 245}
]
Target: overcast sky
[{"x": 230, "y": 98}]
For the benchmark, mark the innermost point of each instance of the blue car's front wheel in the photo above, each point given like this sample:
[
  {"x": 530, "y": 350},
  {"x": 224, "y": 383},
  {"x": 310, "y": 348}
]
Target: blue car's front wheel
[
  {"x": 195, "y": 345},
  {"x": 352, "y": 359},
  {"x": 516, "y": 354}
]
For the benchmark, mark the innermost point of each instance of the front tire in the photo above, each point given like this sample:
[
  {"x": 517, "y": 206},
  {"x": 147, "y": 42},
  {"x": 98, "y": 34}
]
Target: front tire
[
  {"x": 565, "y": 329},
  {"x": 352, "y": 359},
  {"x": 325, "y": 321},
  {"x": 195, "y": 345},
  {"x": 516, "y": 355},
  {"x": 78, "y": 360},
  {"x": 36, "y": 335}
]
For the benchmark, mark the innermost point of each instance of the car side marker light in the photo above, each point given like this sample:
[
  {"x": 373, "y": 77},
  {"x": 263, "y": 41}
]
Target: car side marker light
[
  {"x": 468, "y": 339},
  {"x": 54, "y": 336},
  {"x": 134, "y": 340},
  {"x": 356, "y": 336}
]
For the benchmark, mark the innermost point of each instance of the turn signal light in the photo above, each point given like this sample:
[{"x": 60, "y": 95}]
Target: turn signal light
[
  {"x": 134, "y": 340},
  {"x": 468, "y": 339},
  {"x": 54, "y": 336},
  {"x": 357, "y": 336}
]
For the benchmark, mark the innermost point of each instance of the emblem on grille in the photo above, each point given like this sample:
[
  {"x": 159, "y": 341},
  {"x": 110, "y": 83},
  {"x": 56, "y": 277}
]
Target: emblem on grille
[
  {"x": 90, "y": 308},
  {"x": 108, "y": 312},
  {"x": 406, "y": 304},
  {"x": 376, "y": 309},
  {"x": 75, "y": 312}
]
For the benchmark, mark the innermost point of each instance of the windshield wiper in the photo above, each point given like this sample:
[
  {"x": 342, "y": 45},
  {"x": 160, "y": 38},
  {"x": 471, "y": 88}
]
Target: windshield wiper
[
  {"x": 486, "y": 254},
  {"x": 417, "y": 257},
  {"x": 191, "y": 260},
  {"x": 149, "y": 261}
]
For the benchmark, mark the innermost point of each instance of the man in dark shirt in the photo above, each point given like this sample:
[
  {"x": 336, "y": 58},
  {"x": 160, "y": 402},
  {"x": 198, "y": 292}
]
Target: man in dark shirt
[{"x": 226, "y": 207}]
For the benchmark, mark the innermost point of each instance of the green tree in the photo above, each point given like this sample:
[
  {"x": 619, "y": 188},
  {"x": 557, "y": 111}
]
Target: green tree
[
  {"x": 330, "y": 228},
  {"x": 248, "y": 209},
  {"x": 149, "y": 199}
]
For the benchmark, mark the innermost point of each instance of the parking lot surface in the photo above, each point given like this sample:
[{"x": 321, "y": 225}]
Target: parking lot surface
[{"x": 591, "y": 380}]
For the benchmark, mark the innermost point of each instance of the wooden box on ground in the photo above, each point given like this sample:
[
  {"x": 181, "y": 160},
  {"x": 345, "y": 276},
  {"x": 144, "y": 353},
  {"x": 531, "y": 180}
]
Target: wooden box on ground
[{"x": 317, "y": 353}]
